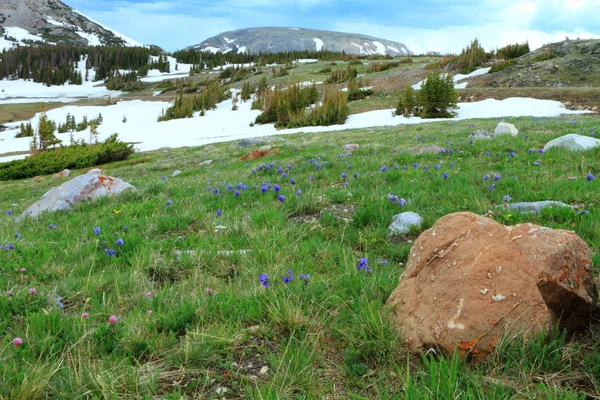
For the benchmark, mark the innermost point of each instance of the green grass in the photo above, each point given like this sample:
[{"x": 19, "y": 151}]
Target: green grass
[{"x": 329, "y": 336}]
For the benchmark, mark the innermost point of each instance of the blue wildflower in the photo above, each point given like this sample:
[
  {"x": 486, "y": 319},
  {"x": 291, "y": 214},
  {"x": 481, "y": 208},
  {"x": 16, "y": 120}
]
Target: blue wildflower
[
  {"x": 591, "y": 177},
  {"x": 219, "y": 213},
  {"x": 507, "y": 198},
  {"x": 264, "y": 279},
  {"x": 120, "y": 242},
  {"x": 281, "y": 198},
  {"x": 169, "y": 202},
  {"x": 445, "y": 176},
  {"x": 110, "y": 252},
  {"x": 363, "y": 264},
  {"x": 96, "y": 230}
]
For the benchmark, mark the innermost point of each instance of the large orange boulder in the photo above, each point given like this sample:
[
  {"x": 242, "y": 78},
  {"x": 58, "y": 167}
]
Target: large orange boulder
[{"x": 469, "y": 280}]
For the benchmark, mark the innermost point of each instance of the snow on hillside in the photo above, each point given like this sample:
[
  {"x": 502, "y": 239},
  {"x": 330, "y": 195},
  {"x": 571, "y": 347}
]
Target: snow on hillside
[
  {"x": 20, "y": 35},
  {"x": 128, "y": 41},
  {"x": 457, "y": 78},
  {"x": 223, "y": 124},
  {"x": 319, "y": 43}
]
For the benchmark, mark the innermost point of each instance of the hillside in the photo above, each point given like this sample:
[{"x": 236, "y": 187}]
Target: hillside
[
  {"x": 24, "y": 22},
  {"x": 571, "y": 63},
  {"x": 273, "y": 40}
]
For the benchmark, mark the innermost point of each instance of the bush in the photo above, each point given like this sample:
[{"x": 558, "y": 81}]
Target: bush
[
  {"x": 71, "y": 157},
  {"x": 501, "y": 66},
  {"x": 437, "y": 97}
]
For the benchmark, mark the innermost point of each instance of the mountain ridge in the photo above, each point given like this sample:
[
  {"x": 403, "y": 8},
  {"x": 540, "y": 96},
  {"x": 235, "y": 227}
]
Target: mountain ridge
[
  {"x": 52, "y": 21},
  {"x": 279, "y": 39}
]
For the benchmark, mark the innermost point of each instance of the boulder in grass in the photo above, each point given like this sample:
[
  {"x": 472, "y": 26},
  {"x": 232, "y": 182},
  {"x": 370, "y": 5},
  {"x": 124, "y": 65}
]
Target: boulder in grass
[
  {"x": 65, "y": 173},
  {"x": 470, "y": 280},
  {"x": 402, "y": 223},
  {"x": 349, "y": 148},
  {"x": 535, "y": 207},
  {"x": 255, "y": 141},
  {"x": 92, "y": 185},
  {"x": 505, "y": 128},
  {"x": 479, "y": 134},
  {"x": 573, "y": 142}
]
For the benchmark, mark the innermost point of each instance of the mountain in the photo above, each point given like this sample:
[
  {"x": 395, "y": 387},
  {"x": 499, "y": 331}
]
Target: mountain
[
  {"x": 27, "y": 21},
  {"x": 273, "y": 40}
]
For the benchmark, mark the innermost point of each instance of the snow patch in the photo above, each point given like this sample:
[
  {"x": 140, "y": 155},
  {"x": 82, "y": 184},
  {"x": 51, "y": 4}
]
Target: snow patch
[
  {"x": 228, "y": 40},
  {"x": 242, "y": 50},
  {"x": 128, "y": 41},
  {"x": 211, "y": 49},
  {"x": 380, "y": 48},
  {"x": 19, "y": 35},
  {"x": 319, "y": 43},
  {"x": 222, "y": 124},
  {"x": 457, "y": 78}
]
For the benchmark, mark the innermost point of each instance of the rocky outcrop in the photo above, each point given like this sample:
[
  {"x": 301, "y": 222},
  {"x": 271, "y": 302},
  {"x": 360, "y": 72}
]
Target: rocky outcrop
[
  {"x": 92, "y": 185},
  {"x": 469, "y": 280}
]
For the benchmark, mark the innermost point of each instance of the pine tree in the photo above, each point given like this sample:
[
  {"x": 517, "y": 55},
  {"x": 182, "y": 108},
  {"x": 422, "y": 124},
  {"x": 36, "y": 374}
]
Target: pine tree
[{"x": 46, "y": 128}]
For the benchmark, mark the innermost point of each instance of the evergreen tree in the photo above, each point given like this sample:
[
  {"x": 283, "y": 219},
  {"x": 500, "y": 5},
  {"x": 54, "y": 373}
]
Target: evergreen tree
[
  {"x": 46, "y": 128},
  {"x": 437, "y": 97}
]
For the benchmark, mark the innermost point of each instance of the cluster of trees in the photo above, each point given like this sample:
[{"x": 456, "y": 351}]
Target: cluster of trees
[
  {"x": 212, "y": 94},
  {"x": 436, "y": 99},
  {"x": 51, "y": 65},
  {"x": 342, "y": 75},
  {"x": 474, "y": 55},
  {"x": 57, "y": 65},
  {"x": 127, "y": 82},
  {"x": 44, "y": 136},
  {"x": 298, "y": 106}
]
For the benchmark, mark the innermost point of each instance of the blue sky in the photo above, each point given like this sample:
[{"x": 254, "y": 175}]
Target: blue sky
[{"x": 423, "y": 25}]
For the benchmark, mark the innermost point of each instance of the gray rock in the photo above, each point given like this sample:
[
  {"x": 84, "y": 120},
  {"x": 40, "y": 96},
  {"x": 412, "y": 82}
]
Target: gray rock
[
  {"x": 65, "y": 173},
  {"x": 255, "y": 141},
  {"x": 348, "y": 148},
  {"x": 401, "y": 223},
  {"x": 176, "y": 172},
  {"x": 427, "y": 150},
  {"x": 207, "y": 162},
  {"x": 536, "y": 206},
  {"x": 92, "y": 185},
  {"x": 265, "y": 148},
  {"x": 505, "y": 128},
  {"x": 573, "y": 142},
  {"x": 479, "y": 134},
  {"x": 210, "y": 147}
]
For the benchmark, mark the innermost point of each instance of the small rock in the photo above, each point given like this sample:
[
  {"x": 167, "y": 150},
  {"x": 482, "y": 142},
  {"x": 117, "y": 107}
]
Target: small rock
[
  {"x": 427, "y": 150},
  {"x": 264, "y": 370},
  {"x": 535, "y": 207},
  {"x": 65, "y": 173},
  {"x": 37, "y": 179},
  {"x": 479, "y": 134},
  {"x": 210, "y": 147},
  {"x": 350, "y": 147},
  {"x": 207, "y": 162},
  {"x": 505, "y": 128},
  {"x": 265, "y": 148},
  {"x": 176, "y": 172},
  {"x": 221, "y": 390},
  {"x": 249, "y": 142},
  {"x": 573, "y": 142},
  {"x": 401, "y": 223}
]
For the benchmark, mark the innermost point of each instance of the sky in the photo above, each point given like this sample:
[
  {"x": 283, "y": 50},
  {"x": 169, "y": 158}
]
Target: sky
[{"x": 446, "y": 26}]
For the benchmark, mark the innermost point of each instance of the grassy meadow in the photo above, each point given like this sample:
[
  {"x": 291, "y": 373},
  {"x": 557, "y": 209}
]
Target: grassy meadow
[{"x": 239, "y": 279}]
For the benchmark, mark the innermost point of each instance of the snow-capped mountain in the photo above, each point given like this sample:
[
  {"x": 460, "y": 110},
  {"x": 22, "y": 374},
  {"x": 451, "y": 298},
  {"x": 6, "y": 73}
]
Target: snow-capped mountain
[
  {"x": 51, "y": 21},
  {"x": 274, "y": 39}
]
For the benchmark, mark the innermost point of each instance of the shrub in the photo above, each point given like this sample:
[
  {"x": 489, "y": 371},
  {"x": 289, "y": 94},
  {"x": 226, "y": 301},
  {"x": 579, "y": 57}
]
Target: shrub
[
  {"x": 342, "y": 75},
  {"x": 383, "y": 66},
  {"x": 502, "y": 65},
  {"x": 72, "y": 157}
]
